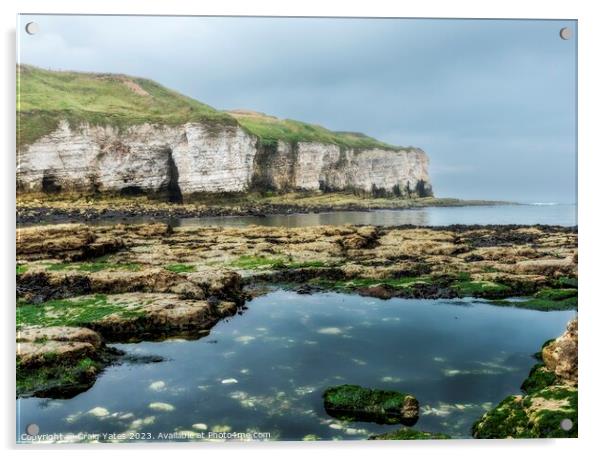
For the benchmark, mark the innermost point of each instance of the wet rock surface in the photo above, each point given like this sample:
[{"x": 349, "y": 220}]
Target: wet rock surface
[
  {"x": 156, "y": 315},
  {"x": 66, "y": 242},
  {"x": 561, "y": 355},
  {"x": 356, "y": 403},
  {"x": 133, "y": 282},
  {"x": 409, "y": 434},
  {"x": 548, "y": 408},
  {"x": 59, "y": 361},
  {"x": 33, "y": 209}
]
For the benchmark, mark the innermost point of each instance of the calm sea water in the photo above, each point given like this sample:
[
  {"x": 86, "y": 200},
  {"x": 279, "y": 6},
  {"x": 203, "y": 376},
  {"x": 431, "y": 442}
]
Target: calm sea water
[
  {"x": 551, "y": 214},
  {"x": 265, "y": 370},
  {"x": 558, "y": 214}
]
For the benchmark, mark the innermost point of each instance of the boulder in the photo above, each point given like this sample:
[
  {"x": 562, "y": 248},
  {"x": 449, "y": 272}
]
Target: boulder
[
  {"x": 58, "y": 361},
  {"x": 353, "y": 402},
  {"x": 561, "y": 355},
  {"x": 144, "y": 315},
  {"x": 38, "y": 346}
]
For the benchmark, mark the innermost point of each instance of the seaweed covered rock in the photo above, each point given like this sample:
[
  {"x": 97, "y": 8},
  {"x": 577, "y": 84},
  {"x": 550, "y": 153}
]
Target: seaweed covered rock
[
  {"x": 40, "y": 283},
  {"x": 539, "y": 377},
  {"x": 550, "y": 397},
  {"x": 58, "y": 361},
  {"x": 128, "y": 316},
  {"x": 356, "y": 403},
  {"x": 537, "y": 415},
  {"x": 405, "y": 434},
  {"x": 156, "y": 316},
  {"x": 199, "y": 262},
  {"x": 64, "y": 241}
]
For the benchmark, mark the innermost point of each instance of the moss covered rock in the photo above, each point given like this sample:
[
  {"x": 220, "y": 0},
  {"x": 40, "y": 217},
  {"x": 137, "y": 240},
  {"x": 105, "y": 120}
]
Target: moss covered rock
[
  {"x": 537, "y": 415},
  {"x": 549, "y": 407},
  {"x": 539, "y": 377},
  {"x": 356, "y": 403},
  {"x": 404, "y": 434},
  {"x": 58, "y": 361}
]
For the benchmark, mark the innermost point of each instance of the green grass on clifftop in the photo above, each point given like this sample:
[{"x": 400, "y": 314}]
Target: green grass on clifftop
[
  {"x": 45, "y": 97},
  {"x": 271, "y": 129}
]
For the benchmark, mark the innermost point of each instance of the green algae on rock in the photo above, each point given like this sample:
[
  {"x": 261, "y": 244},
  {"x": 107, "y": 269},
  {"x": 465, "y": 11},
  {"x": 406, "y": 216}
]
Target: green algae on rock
[
  {"x": 537, "y": 415},
  {"x": 59, "y": 361},
  {"x": 382, "y": 262},
  {"x": 550, "y": 397},
  {"x": 547, "y": 299},
  {"x": 539, "y": 377},
  {"x": 408, "y": 434},
  {"x": 127, "y": 316},
  {"x": 130, "y": 282},
  {"x": 356, "y": 403}
]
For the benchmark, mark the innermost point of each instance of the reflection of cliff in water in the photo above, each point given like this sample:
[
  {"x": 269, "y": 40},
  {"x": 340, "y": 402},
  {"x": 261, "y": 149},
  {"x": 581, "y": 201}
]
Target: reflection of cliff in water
[
  {"x": 378, "y": 217},
  {"x": 562, "y": 215}
]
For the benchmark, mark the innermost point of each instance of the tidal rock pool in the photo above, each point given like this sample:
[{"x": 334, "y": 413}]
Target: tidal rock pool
[{"x": 261, "y": 374}]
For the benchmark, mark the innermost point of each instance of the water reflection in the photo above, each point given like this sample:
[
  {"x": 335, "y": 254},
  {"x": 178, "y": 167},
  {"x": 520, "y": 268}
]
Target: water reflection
[
  {"x": 458, "y": 360},
  {"x": 562, "y": 215}
]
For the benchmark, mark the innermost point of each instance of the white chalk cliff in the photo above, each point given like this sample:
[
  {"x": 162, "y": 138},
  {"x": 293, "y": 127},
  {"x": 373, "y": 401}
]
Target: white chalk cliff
[{"x": 176, "y": 161}]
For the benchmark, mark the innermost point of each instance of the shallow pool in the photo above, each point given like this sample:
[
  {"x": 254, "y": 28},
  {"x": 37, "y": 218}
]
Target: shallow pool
[{"x": 264, "y": 371}]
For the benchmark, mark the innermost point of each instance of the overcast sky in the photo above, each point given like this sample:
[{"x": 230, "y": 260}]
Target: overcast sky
[{"x": 491, "y": 102}]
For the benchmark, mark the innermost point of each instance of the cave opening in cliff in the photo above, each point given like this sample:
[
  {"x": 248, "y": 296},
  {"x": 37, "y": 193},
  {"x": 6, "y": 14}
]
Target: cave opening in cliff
[
  {"x": 173, "y": 191},
  {"x": 423, "y": 189},
  {"x": 50, "y": 184}
]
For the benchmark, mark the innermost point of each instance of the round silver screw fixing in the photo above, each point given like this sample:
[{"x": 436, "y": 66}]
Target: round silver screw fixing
[
  {"x": 566, "y": 33},
  {"x": 566, "y": 424},
  {"x": 32, "y": 28},
  {"x": 32, "y": 429}
]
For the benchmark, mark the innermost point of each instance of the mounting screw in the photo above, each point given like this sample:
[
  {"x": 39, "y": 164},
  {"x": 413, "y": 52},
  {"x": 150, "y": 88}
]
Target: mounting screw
[
  {"x": 32, "y": 429},
  {"x": 32, "y": 28},
  {"x": 566, "y": 33},
  {"x": 566, "y": 424}
]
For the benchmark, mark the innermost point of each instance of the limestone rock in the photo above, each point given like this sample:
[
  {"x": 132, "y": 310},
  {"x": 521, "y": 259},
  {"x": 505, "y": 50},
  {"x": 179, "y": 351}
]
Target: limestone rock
[
  {"x": 63, "y": 241},
  {"x": 143, "y": 315},
  {"x": 551, "y": 398},
  {"x": 148, "y": 280},
  {"x": 34, "y": 344},
  {"x": 561, "y": 356},
  {"x": 58, "y": 361},
  {"x": 313, "y": 166},
  {"x": 176, "y": 161}
]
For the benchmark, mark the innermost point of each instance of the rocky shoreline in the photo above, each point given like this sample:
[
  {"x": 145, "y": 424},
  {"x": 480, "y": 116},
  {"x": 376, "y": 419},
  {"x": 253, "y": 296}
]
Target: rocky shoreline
[
  {"x": 124, "y": 283},
  {"x": 33, "y": 209},
  {"x": 548, "y": 406},
  {"x": 546, "y": 409}
]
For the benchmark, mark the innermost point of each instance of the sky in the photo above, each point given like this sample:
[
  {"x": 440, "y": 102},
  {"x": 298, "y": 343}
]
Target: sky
[{"x": 492, "y": 102}]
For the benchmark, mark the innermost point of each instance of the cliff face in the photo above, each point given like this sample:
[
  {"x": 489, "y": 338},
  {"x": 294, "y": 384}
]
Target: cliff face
[
  {"x": 176, "y": 161},
  {"x": 328, "y": 167},
  {"x": 145, "y": 159},
  {"x": 92, "y": 132}
]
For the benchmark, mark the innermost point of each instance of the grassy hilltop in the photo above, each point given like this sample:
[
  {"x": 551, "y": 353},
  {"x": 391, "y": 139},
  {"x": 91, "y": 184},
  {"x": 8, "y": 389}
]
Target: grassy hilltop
[
  {"x": 271, "y": 129},
  {"x": 45, "y": 97}
]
